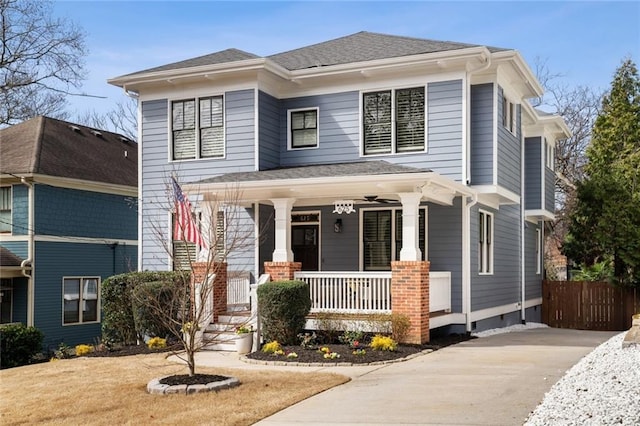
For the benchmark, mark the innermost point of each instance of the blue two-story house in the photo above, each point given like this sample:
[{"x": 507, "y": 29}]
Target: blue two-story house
[
  {"x": 393, "y": 174},
  {"x": 68, "y": 220}
]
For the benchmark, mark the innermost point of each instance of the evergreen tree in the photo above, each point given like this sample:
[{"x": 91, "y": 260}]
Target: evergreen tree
[{"x": 605, "y": 225}]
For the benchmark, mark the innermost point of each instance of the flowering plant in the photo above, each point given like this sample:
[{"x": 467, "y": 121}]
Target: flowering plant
[
  {"x": 359, "y": 352},
  {"x": 82, "y": 350},
  {"x": 244, "y": 329},
  {"x": 189, "y": 326},
  {"x": 292, "y": 355},
  {"x": 157, "y": 343}
]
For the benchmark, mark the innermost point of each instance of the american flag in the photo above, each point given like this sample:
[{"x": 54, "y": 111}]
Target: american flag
[{"x": 185, "y": 227}]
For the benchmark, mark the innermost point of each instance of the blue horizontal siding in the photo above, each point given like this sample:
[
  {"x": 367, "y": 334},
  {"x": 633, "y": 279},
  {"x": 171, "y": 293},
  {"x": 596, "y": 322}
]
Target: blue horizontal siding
[
  {"x": 532, "y": 173},
  {"x": 19, "y": 248},
  {"x": 508, "y": 151},
  {"x": 20, "y": 210},
  {"x": 482, "y": 134},
  {"x": 269, "y": 131}
]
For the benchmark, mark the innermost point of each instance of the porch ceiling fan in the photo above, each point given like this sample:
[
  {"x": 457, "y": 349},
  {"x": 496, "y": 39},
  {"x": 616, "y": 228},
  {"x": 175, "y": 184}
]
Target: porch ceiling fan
[{"x": 376, "y": 199}]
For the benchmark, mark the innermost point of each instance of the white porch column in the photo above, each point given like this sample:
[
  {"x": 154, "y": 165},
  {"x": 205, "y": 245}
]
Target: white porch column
[
  {"x": 282, "y": 252},
  {"x": 410, "y": 227}
]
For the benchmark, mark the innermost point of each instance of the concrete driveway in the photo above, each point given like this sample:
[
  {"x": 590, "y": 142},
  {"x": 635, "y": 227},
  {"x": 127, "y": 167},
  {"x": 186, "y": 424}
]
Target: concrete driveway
[{"x": 496, "y": 380}]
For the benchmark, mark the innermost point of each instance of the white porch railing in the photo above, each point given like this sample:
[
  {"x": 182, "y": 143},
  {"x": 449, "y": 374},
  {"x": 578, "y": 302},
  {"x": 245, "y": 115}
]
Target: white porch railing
[
  {"x": 238, "y": 287},
  {"x": 367, "y": 292},
  {"x": 348, "y": 292},
  {"x": 439, "y": 291}
]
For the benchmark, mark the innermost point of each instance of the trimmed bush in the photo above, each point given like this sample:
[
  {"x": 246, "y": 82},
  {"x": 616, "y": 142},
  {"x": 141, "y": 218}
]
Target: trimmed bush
[
  {"x": 283, "y": 308},
  {"x": 19, "y": 344},
  {"x": 150, "y": 296},
  {"x": 118, "y": 322}
]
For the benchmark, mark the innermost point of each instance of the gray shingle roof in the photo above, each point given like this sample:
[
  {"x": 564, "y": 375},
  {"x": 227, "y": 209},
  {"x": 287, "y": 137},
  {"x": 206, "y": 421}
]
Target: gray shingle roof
[
  {"x": 7, "y": 258},
  {"x": 358, "y": 47},
  {"x": 361, "y": 47},
  {"x": 54, "y": 147},
  {"x": 363, "y": 168},
  {"x": 224, "y": 56}
]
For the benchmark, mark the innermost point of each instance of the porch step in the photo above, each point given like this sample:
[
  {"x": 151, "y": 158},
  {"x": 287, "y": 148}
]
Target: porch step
[{"x": 221, "y": 335}]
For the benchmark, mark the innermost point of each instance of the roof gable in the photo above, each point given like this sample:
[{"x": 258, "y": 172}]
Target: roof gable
[{"x": 58, "y": 148}]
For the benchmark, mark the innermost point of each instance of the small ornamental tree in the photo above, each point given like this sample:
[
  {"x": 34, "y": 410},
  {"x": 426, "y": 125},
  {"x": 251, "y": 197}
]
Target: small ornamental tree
[{"x": 185, "y": 309}]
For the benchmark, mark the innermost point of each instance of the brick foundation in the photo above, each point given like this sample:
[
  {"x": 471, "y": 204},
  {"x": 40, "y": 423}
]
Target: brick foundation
[
  {"x": 219, "y": 291},
  {"x": 410, "y": 296},
  {"x": 282, "y": 270}
]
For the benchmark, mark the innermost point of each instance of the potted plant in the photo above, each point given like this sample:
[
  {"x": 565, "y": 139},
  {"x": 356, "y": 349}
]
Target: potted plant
[{"x": 244, "y": 339}]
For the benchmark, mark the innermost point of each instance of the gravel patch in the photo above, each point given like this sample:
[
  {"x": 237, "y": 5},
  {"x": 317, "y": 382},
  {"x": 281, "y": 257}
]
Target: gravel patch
[{"x": 601, "y": 389}]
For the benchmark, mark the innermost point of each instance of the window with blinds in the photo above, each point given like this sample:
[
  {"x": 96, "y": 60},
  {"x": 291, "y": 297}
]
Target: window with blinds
[
  {"x": 80, "y": 300},
  {"x": 303, "y": 127},
  {"x": 5, "y": 209},
  {"x": 394, "y": 121},
  {"x": 382, "y": 235},
  {"x": 183, "y": 252},
  {"x": 485, "y": 243},
  {"x": 208, "y": 118}
]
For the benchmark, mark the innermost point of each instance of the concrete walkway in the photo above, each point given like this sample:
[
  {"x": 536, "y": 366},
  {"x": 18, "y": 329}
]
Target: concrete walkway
[{"x": 496, "y": 380}]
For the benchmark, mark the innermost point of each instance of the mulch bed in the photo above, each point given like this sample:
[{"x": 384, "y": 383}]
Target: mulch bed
[
  {"x": 196, "y": 379},
  {"x": 347, "y": 355}
]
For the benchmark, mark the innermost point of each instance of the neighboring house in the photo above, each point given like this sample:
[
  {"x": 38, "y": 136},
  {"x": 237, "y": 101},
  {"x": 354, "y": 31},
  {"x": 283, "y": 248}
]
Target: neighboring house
[
  {"x": 393, "y": 174},
  {"x": 68, "y": 220}
]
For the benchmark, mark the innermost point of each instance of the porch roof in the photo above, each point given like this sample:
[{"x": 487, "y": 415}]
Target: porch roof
[
  {"x": 9, "y": 264},
  {"x": 323, "y": 183}
]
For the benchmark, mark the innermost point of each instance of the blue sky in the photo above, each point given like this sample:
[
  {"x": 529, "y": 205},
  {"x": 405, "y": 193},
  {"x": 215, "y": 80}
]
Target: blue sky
[{"x": 582, "y": 40}]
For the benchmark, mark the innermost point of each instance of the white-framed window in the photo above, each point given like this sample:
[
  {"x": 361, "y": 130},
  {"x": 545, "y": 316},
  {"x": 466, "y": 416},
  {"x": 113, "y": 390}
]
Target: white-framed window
[
  {"x": 550, "y": 155},
  {"x": 382, "y": 237},
  {"x": 485, "y": 242},
  {"x": 393, "y": 121},
  {"x": 5, "y": 209},
  {"x": 80, "y": 300},
  {"x": 508, "y": 115},
  {"x": 538, "y": 252},
  {"x": 204, "y": 114},
  {"x": 185, "y": 252},
  {"x": 303, "y": 128},
  {"x": 6, "y": 300}
]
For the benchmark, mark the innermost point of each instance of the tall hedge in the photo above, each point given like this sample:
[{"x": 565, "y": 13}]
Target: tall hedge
[
  {"x": 118, "y": 320},
  {"x": 19, "y": 344},
  {"x": 148, "y": 297},
  {"x": 283, "y": 307}
]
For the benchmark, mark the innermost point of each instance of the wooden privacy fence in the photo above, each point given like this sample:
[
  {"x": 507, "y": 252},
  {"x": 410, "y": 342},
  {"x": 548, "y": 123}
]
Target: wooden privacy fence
[{"x": 585, "y": 305}]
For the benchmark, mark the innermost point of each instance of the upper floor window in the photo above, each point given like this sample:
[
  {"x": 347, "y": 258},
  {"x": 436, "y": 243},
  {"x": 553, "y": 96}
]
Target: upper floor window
[
  {"x": 550, "y": 155},
  {"x": 5, "y": 209},
  {"x": 508, "y": 115},
  {"x": 538, "y": 250},
  {"x": 205, "y": 115},
  {"x": 80, "y": 299},
  {"x": 394, "y": 121},
  {"x": 303, "y": 128},
  {"x": 485, "y": 243}
]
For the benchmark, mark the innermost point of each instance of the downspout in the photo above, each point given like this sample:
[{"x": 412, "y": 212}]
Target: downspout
[
  {"x": 523, "y": 314},
  {"x": 29, "y": 259},
  {"x": 466, "y": 211}
]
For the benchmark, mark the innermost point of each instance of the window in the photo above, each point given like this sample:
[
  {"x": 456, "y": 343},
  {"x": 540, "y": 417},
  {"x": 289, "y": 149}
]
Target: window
[
  {"x": 80, "y": 300},
  {"x": 508, "y": 115},
  {"x": 538, "y": 246},
  {"x": 485, "y": 243},
  {"x": 208, "y": 142},
  {"x": 5, "y": 209},
  {"x": 382, "y": 237},
  {"x": 550, "y": 155},
  {"x": 303, "y": 127},
  {"x": 185, "y": 252},
  {"x": 6, "y": 300},
  {"x": 394, "y": 121}
]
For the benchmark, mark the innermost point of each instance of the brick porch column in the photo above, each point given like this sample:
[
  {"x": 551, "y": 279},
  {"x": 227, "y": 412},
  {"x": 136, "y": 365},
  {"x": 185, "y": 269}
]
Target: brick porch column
[
  {"x": 410, "y": 296},
  {"x": 219, "y": 291},
  {"x": 282, "y": 270}
]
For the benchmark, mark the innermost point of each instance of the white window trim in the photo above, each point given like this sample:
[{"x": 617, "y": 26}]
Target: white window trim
[
  {"x": 10, "y": 231},
  {"x": 393, "y": 119},
  {"x": 486, "y": 269},
  {"x": 549, "y": 155},
  {"x": 98, "y": 303},
  {"x": 198, "y": 212},
  {"x": 393, "y": 231},
  {"x": 509, "y": 112},
  {"x": 538, "y": 252},
  {"x": 290, "y": 146},
  {"x": 197, "y": 127}
]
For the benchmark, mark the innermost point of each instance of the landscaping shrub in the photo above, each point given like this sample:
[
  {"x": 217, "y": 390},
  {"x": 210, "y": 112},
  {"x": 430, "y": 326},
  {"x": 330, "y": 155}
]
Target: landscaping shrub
[
  {"x": 19, "y": 344},
  {"x": 118, "y": 322},
  {"x": 283, "y": 307},
  {"x": 149, "y": 296},
  {"x": 395, "y": 325},
  {"x": 271, "y": 347},
  {"x": 157, "y": 343},
  {"x": 383, "y": 343},
  {"x": 329, "y": 327},
  {"x": 82, "y": 350}
]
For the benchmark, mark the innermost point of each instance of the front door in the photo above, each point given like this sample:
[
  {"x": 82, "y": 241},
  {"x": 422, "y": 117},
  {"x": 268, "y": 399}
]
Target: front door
[{"x": 304, "y": 243}]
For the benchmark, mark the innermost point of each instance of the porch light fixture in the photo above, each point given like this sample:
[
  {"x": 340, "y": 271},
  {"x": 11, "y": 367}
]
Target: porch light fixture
[
  {"x": 343, "y": 206},
  {"x": 337, "y": 227}
]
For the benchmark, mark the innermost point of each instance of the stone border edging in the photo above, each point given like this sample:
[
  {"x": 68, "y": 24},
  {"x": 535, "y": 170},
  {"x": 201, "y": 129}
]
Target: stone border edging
[
  {"x": 154, "y": 387},
  {"x": 244, "y": 358}
]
